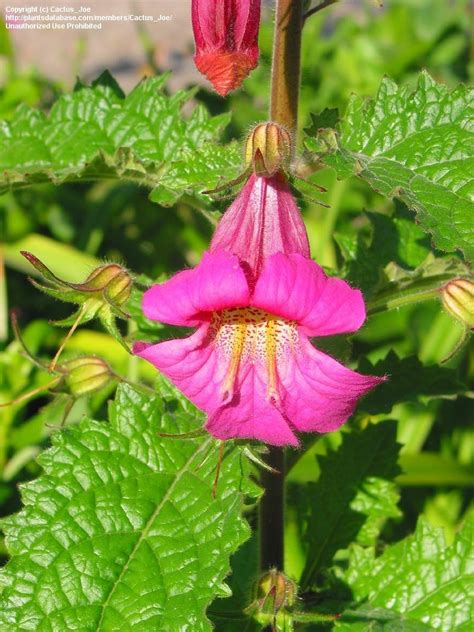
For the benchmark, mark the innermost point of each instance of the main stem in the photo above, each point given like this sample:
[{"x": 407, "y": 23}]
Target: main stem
[
  {"x": 283, "y": 110},
  {"x": 286, "y": 64}
]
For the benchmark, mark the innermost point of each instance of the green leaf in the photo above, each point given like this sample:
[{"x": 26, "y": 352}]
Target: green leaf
[
  {"x": 408, "y": 380},
  {"x": 419, "y": 579},
  {"x": 428, "y": 468},
  {"x": 98, "y": 133},
  {"x": 70, "y": 262},
  {"x": 353, "y": 497},
  {"x": 329, "y": 117},
  {"x": 394, "y": 240},
  {"x": 122, "y": 531},
  {"x": 415, "y": 146},
  {"x": 228, "y": 614}
]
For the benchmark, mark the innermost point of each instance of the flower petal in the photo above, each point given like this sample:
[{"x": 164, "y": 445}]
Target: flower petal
[
  {"x": 191, "y": 364},
  {"x": 216, "y": 283},
  {"x": 194, "y": 365},
  {"x": 249, "y": 415},
  {"x": 296, "y": 288},
  {"x": 317, "y": 393},
  {"x": 262, "y": 220}
]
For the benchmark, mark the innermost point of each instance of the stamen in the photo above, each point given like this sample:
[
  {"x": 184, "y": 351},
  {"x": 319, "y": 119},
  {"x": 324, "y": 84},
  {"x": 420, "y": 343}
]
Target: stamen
[
  {"x": 253, "y": 335},
  {"x": 271, "y": 345},
  {"x": 238, "y": 341}
]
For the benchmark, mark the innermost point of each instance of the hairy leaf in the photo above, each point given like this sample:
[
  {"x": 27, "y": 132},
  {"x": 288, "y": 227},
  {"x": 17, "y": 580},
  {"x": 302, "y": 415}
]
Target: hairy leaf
[
  {"x": 415, "y": 146},
  {"x": 122, "y": 532},
  {"x": 98, "y": 133},
  {"x": 394, "y": 240},
  {"x": 420, "y": 579},
  {"x": 353, "y": 497}
]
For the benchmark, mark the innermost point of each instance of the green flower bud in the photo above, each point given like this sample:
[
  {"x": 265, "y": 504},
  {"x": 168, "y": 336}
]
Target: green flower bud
[
  {"x": 103, "y": 295},
  {"x": 274, "y": 591},
  {"x": 85, "y": 375},
  {"x": 458, "y": 300},
  {"x": 268, "y": 149},
  {"x": 109, "y": 281}
]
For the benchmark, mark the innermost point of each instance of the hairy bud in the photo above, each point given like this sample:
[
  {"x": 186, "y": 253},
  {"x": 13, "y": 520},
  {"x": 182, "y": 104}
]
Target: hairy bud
[
  {"x": 86, "y": 374},
  {"x": 110, "y": 282},
  {"x": 274, "y": 591},
  {"x": 268, "y": 149},
  {"x": 458, "y": 300},
  {"x": 102, "y": 295}
]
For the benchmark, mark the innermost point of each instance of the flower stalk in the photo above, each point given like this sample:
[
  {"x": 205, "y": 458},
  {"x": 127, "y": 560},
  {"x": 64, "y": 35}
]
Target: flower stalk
[
  {"x": 424, "y": 289},
  {"x": 285, "y": 86},
  {"x": 286, "y": 64}
]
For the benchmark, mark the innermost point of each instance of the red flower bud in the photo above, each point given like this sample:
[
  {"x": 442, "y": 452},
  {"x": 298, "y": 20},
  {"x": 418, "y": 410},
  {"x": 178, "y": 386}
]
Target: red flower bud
[{"x": 226, "y": 37}]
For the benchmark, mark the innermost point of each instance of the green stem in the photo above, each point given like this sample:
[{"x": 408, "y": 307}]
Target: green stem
[
  {"x": 285, "y": 86},
  {"x": 3, "y": 298},
  {"x": 420, "y": 290}
]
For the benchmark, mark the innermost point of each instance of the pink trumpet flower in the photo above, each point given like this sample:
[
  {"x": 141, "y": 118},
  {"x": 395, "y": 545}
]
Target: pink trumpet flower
[
  {"x": 226, "y": 38},
  {"x": 250, "y": 365},
  {"x": 262, "y": 220}
]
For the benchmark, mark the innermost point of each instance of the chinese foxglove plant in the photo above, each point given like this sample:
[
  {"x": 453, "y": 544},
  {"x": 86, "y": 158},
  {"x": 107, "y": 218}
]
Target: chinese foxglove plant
[{"x": 137, "y": 519}]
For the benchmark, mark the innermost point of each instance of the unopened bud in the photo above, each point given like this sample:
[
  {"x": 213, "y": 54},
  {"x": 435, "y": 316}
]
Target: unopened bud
[
  {"x": 103, "y": 295},
  {"x": 268, "y": 149},
  {"x": 274, "y": 592},
  {"x": 226, "y": 38},
  {"x": 85, "y": 375},
  {"x": 458, "y": 299},
  {"x": 111, "y": 281}
]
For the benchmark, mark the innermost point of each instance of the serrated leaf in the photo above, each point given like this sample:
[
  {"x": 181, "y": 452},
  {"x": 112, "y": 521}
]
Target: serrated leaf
[
  {"x": 353, "y": 497},
  {"x": 408, "y": 380},
  {"x": 418, "y": 147},
  {"x": 228, "y": 615},
  {"x": 97, "y": 132},
  {"x": 327, "y": 118},
  {"x": 121, "y": 532},
  {"x": 420, "y": 578},
  {"x": 394, "y": 240}
]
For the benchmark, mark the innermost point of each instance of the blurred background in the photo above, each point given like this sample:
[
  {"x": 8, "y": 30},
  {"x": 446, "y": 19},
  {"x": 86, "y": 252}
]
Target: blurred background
[{"x": 347, "y": 49}]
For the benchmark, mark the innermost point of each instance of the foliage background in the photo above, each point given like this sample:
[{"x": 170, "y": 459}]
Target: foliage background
[{"x": 74, "y": 225}]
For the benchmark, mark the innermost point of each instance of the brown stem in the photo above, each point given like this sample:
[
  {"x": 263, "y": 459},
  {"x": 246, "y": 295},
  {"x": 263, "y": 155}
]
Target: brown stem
[
  {"x": 285, "y": 88},
  {"x": 286, "y": 64}
]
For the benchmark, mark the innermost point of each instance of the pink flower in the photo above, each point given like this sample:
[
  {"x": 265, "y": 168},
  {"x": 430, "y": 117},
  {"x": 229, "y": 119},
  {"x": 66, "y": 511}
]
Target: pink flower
[
  {"x": 250, "y": 365},
  {"x": 226, "y": 37},
  {"x": 262, "y": 221}
]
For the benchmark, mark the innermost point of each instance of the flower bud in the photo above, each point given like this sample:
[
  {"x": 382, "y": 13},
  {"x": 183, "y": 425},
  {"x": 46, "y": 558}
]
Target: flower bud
[
  {"x": 103, "y": 295},
  {"x": 85, "y": 375},
  {"x": 458, "y": 299},
  {"x": 226, "y": 38},
  {"x": 268, "y": 149},
  {"x": 274, "y": 592},
  {"x": 111, "y": 281}
]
